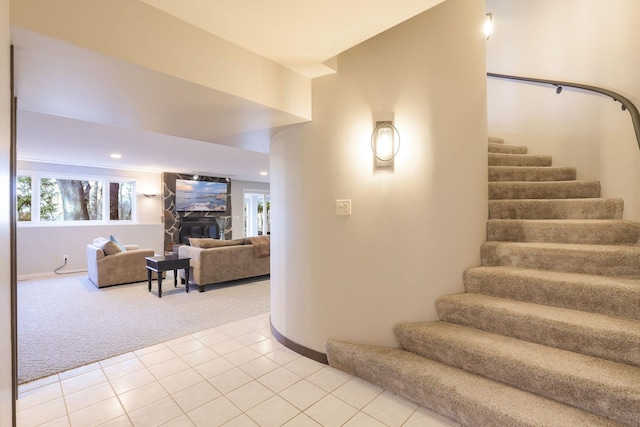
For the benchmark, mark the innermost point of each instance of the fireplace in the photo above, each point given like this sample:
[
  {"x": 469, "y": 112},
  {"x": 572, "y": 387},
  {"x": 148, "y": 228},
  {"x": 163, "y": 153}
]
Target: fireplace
[{"x": 197, "y": 228}]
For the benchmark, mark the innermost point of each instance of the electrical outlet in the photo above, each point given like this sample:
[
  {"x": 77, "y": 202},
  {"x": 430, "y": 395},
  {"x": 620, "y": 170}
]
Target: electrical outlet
[{"x": 65, "y": 257}]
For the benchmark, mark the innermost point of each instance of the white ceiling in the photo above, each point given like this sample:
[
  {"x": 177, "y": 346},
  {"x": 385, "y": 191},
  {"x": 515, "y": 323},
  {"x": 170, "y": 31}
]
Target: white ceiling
[
  {"x": 299, "y": 34},
  {"x": 77, "y": 106}
]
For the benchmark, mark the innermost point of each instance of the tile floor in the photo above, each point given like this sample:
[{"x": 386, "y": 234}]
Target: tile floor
[{"x": 233, "y": 375}]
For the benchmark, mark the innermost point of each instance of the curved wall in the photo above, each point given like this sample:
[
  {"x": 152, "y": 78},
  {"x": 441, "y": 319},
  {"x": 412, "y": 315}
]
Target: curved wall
[{"x": 412, "y": 231}]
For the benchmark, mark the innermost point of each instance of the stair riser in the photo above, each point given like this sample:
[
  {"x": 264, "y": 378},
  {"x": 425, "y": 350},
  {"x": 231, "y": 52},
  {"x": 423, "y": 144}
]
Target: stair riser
[
  {"x": 506, "y": 149},
  {"x": 586, "y": 293},
  {"x": 462, "y": 397},
  {"x": 556, "y": 209},
  {"x": 499, "y": 159},
  {"x": 620, "y": 342},
  {"x": 499, "y": 359},
  {"x": 544, "y": 190},
  {"x": 604, "y": 233},
  {"x": 621, "y": 263},
  {"x": 505, "y": 173}
]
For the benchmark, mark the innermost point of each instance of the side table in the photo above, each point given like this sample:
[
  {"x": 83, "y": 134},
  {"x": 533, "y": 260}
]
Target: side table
[{"x": 161, "y": 263}]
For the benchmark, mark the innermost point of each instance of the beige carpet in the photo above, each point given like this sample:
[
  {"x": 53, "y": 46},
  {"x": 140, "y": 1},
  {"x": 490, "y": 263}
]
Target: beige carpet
[{"x": 66, "y": 322}]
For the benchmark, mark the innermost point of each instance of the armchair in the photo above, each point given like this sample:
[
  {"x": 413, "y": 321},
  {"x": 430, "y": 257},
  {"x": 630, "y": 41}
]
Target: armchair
[{"x": 117, "y": 268}]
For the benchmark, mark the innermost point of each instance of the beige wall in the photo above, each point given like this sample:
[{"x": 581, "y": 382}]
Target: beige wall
[
  {"x": 586, "y": 41},
  {"x": 412, "y": 232},
  {"x": 41, "y": 247},
  {"x": 6, "y": 388}
]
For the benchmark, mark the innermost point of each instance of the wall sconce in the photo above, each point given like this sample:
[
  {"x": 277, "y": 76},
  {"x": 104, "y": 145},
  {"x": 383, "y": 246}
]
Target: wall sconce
[
  {"x": 488, "y": 25},
  {"x": 385, "y": 143}
]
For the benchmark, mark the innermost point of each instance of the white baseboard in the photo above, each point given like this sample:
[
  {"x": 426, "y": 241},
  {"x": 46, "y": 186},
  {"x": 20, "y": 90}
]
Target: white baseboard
[{"x": 39, "y": 276}]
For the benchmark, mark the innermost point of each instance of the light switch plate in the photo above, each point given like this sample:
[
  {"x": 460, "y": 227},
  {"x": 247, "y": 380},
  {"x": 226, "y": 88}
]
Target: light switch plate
[{"x": 343, "y": 207}]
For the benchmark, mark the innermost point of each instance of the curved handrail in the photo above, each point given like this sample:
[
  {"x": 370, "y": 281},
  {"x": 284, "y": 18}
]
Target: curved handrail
[{"x": 626, "y": 103}]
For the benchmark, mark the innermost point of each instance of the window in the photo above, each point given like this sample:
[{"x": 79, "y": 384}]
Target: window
[
  {"x": 47, "y": 199},
  {"x": 257, "y": 213}
]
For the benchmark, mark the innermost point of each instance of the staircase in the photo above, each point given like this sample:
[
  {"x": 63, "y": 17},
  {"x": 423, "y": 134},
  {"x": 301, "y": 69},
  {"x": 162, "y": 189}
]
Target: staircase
[{"x": 548, "y": 330}]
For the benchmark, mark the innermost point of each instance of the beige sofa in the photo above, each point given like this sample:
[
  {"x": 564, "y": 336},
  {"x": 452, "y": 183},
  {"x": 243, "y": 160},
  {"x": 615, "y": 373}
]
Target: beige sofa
[
  {"x": 215, "y": 261},
  {"x": 107, "y": 267}
]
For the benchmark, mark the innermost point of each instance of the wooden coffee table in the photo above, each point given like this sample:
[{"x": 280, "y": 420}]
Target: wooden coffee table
[{"x": 162, "y": 263}]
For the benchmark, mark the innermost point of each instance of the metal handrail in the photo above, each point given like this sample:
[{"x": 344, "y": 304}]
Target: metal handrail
[{"x": 626, "y": 103}]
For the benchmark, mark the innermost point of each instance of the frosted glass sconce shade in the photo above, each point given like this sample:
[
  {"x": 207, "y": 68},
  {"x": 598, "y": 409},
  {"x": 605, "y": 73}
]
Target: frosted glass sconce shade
[{"x": 385, "y": 142}]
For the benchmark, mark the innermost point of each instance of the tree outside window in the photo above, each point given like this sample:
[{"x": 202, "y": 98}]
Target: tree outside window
[
  {"x": 23, "y": 192},
  {"x": 70, "y": 200},
  {"x": 121, "y": 201},
  {"x": 264, "y": 218},
  {"x": 74, "y": 199}
]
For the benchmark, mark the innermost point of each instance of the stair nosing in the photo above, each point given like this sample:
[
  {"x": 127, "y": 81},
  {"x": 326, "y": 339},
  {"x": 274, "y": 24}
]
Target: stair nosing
[
  {"x": 569, "y": 246},
  {"x": 554, "y": 288},
  {"x": 557, "y": 274},
  {"x": 559, "y": 312},
  {"x": 472, "y": 391},
  {"x": 577, "y": 324},
  {"x": 565, "y": 376},
  {"x": 562, "y": 357}
]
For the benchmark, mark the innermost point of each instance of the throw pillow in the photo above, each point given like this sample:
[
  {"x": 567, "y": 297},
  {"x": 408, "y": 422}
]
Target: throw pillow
[
  {"x": 117, "y": 242},
  {"x": 194, "y": 242},
  {"x": 213, "y": 243},
  {"x": 107, "y": 246},
  {"x": 99, "y": 242}
]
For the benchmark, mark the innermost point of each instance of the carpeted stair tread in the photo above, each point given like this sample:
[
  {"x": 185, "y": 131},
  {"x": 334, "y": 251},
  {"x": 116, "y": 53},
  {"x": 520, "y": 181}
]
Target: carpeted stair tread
[
  {"x": 605, "y": 260},
  {"x": 581, "y": 231},
  {"x": 606, "y": 388},
  {"x": 597, "y": 294},
  {"x": 502, "y": 159},
  {"x": 463, "y": 397},
  {"x": 531, "y": 173},
  {"x": 543, "y": 190},
  {"x": 594, "y": 208},
  {"x": 607, "y": 337},
  {"x": 496, "y": 140},
  {"x": 500, "y": 147}
]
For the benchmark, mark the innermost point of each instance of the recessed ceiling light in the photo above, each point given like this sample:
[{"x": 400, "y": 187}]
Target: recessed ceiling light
[
  {"x": 116, "y": 156},
  {"x": 263, "y": 173}
]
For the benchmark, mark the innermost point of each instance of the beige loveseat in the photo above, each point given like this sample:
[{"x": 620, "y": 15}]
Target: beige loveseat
[
  {"x": 108, "y": 265},
  {"x": 215, "y": 261}
]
